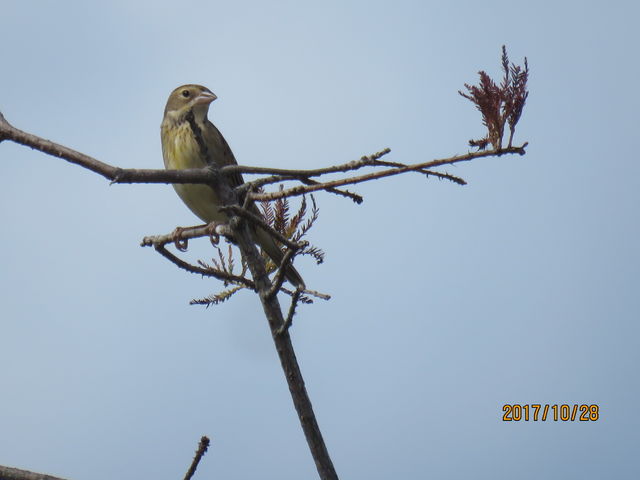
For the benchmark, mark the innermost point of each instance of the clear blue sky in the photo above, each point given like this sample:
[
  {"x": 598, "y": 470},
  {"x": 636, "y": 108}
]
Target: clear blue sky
[{"x": 449, "y": 301}]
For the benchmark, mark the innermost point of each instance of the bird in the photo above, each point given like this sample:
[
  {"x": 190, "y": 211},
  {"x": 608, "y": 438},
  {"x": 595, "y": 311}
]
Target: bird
[{"x": 190, "y": 140}]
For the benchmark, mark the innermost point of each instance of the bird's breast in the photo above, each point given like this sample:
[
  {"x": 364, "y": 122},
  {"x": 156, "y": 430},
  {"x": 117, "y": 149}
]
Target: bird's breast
[{"x": 180, "y": 150}]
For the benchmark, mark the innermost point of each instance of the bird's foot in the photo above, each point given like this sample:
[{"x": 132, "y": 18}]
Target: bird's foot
[
  {"x": 181, "y": 243},
  {"x": 214, "y": 236}
]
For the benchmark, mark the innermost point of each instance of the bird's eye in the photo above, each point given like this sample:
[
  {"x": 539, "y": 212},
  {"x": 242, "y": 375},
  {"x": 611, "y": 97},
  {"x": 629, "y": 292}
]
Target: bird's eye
[{"x": 185, "y": 93}]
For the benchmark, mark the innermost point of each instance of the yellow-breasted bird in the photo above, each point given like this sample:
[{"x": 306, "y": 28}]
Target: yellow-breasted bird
[{"x": 190, "y": 140}]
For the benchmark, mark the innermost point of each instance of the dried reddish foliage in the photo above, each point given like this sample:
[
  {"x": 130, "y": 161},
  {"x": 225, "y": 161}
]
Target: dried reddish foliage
[{"x": 499, "y": 104}]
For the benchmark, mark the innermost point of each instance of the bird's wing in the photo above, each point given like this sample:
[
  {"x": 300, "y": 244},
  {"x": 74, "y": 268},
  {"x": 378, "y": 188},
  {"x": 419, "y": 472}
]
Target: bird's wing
[{"x": 221, "y": 152}]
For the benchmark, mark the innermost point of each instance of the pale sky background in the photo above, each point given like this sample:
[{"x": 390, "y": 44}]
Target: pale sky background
[{"x": 448, "y": 301}]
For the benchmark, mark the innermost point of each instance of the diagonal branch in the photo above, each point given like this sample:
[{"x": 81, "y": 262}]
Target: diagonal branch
[
  {"x": 237, "y": 210},
  {"x": 343, "y": 193},
  {"x": 427, "y": 173},
  {"x": 366, "y": 160},
  {"x": 202, "y": 449},
  {"x": 206, "y": 272},
  {"x": 302, "y": 189},
  {"x": 9, "y": 473}
]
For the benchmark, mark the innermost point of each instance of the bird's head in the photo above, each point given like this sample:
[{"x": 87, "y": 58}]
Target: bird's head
[{"x": 188, "y": 98}]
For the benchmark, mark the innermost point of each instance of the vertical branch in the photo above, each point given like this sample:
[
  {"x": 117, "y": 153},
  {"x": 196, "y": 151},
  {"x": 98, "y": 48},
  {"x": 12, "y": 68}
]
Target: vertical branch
[
  {"x": 286, "y": 353},
  {"x": 281, "y": 339}
]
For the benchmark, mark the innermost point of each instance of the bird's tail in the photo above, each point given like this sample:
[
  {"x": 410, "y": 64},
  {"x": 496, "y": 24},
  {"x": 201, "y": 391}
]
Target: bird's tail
[{"x": 268, "y": 244}]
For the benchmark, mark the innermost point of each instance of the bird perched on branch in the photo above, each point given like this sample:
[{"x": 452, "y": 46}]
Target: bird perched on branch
[{"x": 190, "y": 140}]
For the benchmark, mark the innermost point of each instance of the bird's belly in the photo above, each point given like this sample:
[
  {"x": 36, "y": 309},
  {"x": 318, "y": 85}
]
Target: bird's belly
[{"x": 201, "y": 200}]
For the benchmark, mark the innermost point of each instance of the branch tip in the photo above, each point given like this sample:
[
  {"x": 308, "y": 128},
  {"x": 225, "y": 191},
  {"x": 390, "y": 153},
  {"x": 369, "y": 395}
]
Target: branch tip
[{"x": 203, "y": 446}]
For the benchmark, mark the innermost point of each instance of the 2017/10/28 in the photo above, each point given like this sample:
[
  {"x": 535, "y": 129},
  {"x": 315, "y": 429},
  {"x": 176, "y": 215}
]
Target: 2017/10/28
[{"x": 538, "y": 412}]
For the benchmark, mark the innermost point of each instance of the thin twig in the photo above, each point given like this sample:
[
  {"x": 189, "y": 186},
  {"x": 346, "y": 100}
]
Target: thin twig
[
  {"x": 202, "y": 449},
  {"x": 345, "y": 167},
  {"x": 160, "y": 241},
  {"x": 444, "y": 176},
  {"x": 302, "y": 189},
  {"x": 313, "y": 293},
  {"x": 343, "y": 193},
  {"x": 261, "y": 182},
  {"x": 292, "y": 310},
  {"x": 207, "y": 272},
  {"x": 278, "y": 280}
]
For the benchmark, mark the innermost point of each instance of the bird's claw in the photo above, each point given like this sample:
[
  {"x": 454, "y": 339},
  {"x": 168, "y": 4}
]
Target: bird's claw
[
  {"x": 181, "y": 243},
  {"x": 214, "y": 237}
]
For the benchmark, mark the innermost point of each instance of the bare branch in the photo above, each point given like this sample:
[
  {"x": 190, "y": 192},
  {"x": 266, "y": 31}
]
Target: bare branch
[
  {"x": 343, "y": 193},
  {"x": 345, "y": 167},
  {"x": 302, "y": 189},
  {"x": 207, "y": 272},
  {"x": 280, "y": 275},
  {"x": 202, "y": 449},
  {"x": 186, "y": 233},
  {"x": 427, "y": 173},
  {"x": 8, "y": 473},
  {"x": 9, "y": 132},
  {"x": 160, "y": 241},
  {"x": 292, "y": 310},
  {"x": 115, "y": 174}
]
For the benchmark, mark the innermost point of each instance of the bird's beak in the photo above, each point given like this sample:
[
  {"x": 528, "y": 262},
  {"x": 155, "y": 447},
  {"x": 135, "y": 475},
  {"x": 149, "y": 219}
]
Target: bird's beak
[{"x": 205, "y": 98}]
